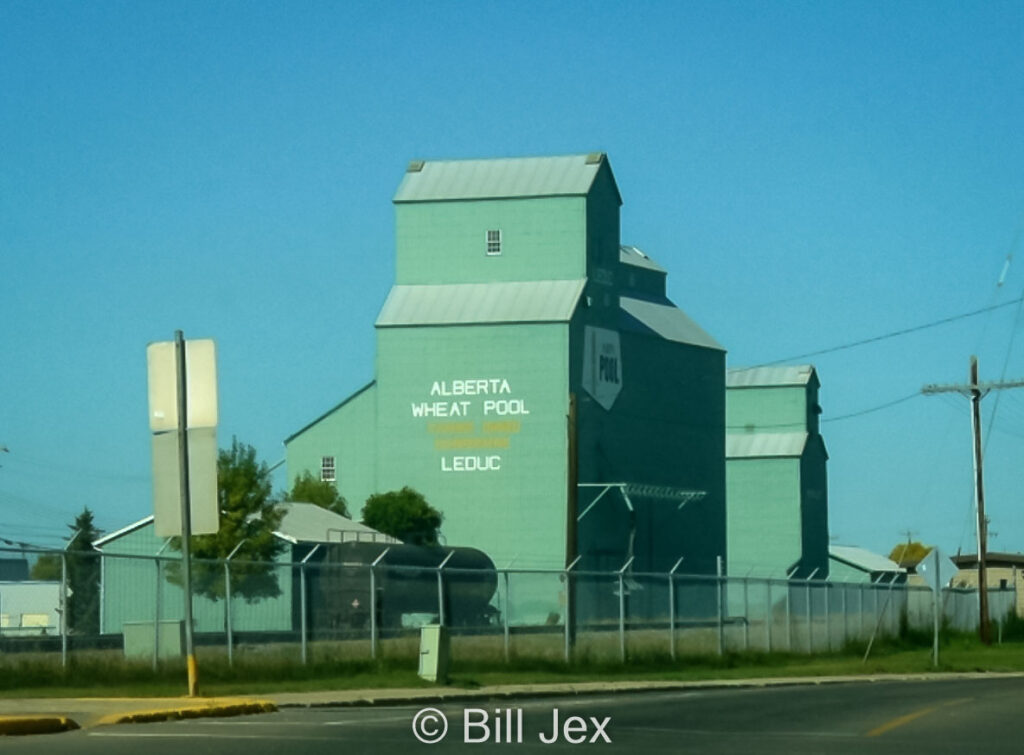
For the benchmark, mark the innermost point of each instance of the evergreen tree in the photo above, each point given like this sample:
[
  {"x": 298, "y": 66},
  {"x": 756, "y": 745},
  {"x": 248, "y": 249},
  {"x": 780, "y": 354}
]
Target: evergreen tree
[{"x": 83, "y": 575}]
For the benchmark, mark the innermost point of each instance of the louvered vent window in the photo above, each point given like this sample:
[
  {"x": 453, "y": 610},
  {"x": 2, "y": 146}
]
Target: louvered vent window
[
  {"x": 493, "y": 243},
  {"x": 327, "y": 470}
]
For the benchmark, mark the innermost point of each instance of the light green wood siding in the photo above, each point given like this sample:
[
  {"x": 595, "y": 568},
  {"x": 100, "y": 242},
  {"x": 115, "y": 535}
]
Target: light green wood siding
[
  {"x": 775, "y": 409},
  {"x": 446, "y": 242},
  {"x": 348, "y": 433},
  {"x": 515, "y": 507},
  {"x": 764, "y": 517}
]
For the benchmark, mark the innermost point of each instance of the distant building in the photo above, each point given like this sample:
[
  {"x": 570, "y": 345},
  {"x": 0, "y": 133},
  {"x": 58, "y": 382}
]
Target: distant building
[
  {"x": 13, "y": 569},
  {"x": 1003, "y": 571},
  {"x": 29, "y": 608},
  {"x": 776, "y": 479}
]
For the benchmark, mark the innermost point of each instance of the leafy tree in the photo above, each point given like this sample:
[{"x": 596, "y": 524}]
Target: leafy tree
[
  {"x": 46, "y": 568},
  {"x": 248, "y": 515},
  {"x": 404, "y": 514},
  {"x": 909, "y": 555},
  {"x": 308, "y": 489}
]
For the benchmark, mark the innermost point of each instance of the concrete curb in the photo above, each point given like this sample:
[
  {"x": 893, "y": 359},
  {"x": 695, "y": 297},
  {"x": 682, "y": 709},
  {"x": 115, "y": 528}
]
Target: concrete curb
[
  {"x": 449, "y": 695},
  {"x": 177, "y": 713},
  {"x": 22, "y": 725}
]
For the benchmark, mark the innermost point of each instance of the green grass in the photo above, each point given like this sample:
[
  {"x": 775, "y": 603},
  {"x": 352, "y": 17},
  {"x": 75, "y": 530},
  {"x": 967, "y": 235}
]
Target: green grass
[{"x": 108, "y": 674}]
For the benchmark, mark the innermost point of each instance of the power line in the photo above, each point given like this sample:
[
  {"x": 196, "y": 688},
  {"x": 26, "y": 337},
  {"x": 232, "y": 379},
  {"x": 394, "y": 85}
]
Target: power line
[
  {"x": 878, "y": 408},
  {"x": 894, "y": 333}
]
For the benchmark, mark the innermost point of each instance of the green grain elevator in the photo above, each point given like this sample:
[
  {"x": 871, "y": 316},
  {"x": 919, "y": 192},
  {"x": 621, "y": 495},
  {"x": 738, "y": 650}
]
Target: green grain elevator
[
  {"x": 776, "y": 481},
  {"x": 532, "y": 379}
]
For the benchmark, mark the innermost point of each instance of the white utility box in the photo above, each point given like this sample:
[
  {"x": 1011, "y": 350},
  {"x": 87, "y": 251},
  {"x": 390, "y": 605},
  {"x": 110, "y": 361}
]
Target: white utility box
[{"x": 434, "y": 646}]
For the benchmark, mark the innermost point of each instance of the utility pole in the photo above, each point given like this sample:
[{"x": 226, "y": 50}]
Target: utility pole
[
  {"x": 903, "y": 555},
  {"x": 976, "y": 391}
]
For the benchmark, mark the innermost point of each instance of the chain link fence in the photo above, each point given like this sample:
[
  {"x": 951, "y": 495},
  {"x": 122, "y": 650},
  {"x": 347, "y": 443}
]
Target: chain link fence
[{"x": 133, "y": 606}]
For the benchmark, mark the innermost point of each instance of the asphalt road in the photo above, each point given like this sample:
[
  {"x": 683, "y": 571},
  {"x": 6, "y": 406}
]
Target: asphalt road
[{"x": 885, "y": 717}]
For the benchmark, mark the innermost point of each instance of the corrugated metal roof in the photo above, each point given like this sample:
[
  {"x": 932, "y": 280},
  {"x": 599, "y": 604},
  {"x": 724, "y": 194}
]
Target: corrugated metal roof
[
  {"x": 330, "y": 411},
  {"x": 99, "y": 543},
  {"x": 669, "y": 322},
  {"x": 437, "y": 180},
  {"x": 764, "y": 445},
  {"x": 309, "y": 523},
  {"x": 474, "y": 303},
  {"x": 630, "y": 255},
  {"x": 863, "y": 559},
  {"x": 302, "y": 523},
  {"x": 760, "y": 377}
]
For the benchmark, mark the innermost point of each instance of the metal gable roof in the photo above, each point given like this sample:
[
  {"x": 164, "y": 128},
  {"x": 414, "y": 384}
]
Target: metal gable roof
[
  {"x": 669, "y": 322},
  {"x": 863, "y": 559},
  {"x": 302, "y": 523},
  {"x": 477, "y": 303},
  {"x": 760, "y": 377},
  {"x": 330, "y": 411},
  {"x": 630, "y": 255},
  {"x": 309, "y": 523},
  {"x": 764, "y": 445},
  {"x": 439, "y": 180}
]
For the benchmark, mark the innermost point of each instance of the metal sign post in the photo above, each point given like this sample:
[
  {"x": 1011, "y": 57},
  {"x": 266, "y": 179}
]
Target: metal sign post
[
  {"x": 186, "y": 511},
  {"x": 183, "y": 421}
]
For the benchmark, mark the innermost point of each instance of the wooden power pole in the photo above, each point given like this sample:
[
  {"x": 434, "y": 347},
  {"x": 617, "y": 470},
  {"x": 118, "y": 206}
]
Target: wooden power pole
[{"x": 976, "y": 390}]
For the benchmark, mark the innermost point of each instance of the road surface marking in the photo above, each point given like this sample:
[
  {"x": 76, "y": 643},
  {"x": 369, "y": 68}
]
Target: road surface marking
[{"x": 903, "y": 720}]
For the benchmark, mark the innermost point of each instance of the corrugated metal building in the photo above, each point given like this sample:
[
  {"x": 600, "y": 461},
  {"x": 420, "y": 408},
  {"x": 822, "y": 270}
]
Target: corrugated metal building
[
  {"x": 130, "y": 586},
  {"x": 526, "y": 359},
  {"x": 776, "y": 480}
]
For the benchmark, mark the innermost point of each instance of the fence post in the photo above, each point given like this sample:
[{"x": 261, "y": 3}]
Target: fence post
[
  {"x": 860, "y": 608},
  {"x": 227, "y": 602},
  {"x": 227, "y": 612},
  {"x": 846, "y": 632},
  {"x": 746, "y": 612},
  {"x": 568, "y": 609},
  {"x": 374, "y": 629},
  {"x": 622, "y": 610},
  {"x": 64, "y": 609},
  {"x": 807, "y": 615},
  {"x": 302, "y": 601},
  {"x": 720, "y": 584},
  {"x": 156, "y": 609},
  {"x": 789, "y": 617},
  {"x": 828, "y": 614},
  {"x": 874, "y": 600},
  {"x": 440, "y": 589},
  {"x": 505, "y": 619},
  {"x": 156, "y": 613},
  {"x": 672, "y": 608}
]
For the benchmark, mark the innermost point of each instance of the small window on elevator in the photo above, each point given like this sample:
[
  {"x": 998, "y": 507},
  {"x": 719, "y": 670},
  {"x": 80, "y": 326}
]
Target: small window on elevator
[
  {"x": 493, "y": 243},
  {"x": 327, "y": 470}
]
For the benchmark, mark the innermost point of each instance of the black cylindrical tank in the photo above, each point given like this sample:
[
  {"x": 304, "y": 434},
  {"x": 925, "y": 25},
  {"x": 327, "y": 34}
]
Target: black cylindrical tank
[{"x": 406, "y": 582}]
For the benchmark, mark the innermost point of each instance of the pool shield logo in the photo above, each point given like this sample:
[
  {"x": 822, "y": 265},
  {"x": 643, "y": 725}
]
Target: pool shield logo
[{"x": 602, "y": 365}]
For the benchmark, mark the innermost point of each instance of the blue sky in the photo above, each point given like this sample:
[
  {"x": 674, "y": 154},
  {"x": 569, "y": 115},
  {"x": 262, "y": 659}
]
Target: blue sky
[{"x": 810, "y": 174}]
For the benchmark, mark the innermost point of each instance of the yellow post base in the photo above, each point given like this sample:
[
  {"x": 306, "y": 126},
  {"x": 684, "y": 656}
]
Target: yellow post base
[{"x": 193, "y": 676}]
